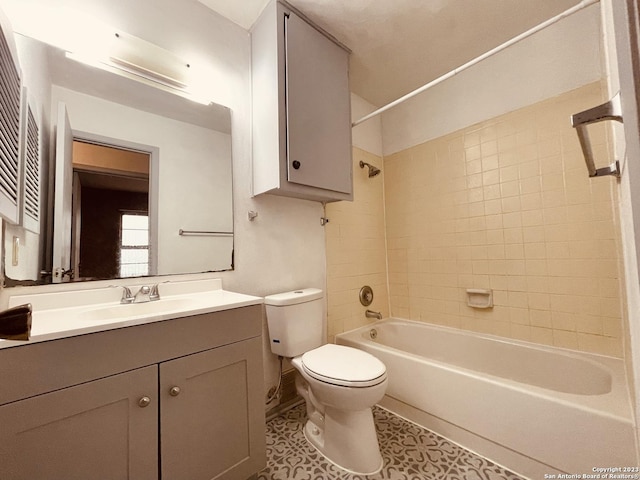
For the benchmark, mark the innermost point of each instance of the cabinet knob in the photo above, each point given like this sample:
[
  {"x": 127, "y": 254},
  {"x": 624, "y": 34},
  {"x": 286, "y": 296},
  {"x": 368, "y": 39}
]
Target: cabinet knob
[
  {"x": 175, "y": 391},
  {"x": 296, "y": 164},
  {"x": 144, "y": 402}
]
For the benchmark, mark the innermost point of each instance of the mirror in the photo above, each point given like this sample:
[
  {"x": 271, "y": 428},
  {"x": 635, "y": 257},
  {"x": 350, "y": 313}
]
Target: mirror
[{"x": 185, "y": 189}]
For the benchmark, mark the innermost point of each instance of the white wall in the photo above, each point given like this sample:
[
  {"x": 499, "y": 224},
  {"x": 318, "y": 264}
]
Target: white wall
[
  {"x": 367, "y": 135},
  {"x": 560, "y": 58},
  {"x": 283, "y": 248}
]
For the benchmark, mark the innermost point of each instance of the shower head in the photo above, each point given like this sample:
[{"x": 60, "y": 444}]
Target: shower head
[{"x": 373, "y": 171}]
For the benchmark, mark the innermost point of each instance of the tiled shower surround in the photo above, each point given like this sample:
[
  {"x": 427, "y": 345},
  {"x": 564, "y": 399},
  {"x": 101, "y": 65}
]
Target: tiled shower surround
[
  {"x": 356, "y": 254},
  {"x": 505, "y": 204}
]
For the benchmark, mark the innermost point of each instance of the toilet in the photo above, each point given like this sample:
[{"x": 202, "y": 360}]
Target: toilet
[{"x": 339, "y": 384}]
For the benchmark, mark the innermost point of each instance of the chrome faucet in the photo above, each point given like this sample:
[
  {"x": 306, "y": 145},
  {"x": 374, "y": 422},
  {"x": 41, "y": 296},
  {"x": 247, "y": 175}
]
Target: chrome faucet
[
  {"x": 144, "y": 294},
  {"x": 372, "y": 314}
]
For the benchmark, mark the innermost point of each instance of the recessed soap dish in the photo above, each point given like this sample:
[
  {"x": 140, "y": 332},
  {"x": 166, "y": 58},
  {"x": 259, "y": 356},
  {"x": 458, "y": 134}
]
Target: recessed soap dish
[{"x": 480, "y": 297}]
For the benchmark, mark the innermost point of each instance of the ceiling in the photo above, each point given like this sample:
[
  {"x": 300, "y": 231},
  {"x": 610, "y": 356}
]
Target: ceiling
[{"x": 400, "y": 45}]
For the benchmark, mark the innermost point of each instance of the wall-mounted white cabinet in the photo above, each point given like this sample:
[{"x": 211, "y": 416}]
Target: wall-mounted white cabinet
[
  {"x": 177, "y": 399},
  {"x": 301, "y": 109}
]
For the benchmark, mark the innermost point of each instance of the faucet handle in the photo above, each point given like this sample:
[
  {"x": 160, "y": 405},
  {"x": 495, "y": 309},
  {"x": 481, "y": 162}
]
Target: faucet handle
[
  {"x": 155, "y": 293},
  {"x": 127, "y": 296}
]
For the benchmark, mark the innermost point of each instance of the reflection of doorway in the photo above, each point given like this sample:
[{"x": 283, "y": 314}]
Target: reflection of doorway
[{"x": 107, "y": 182}]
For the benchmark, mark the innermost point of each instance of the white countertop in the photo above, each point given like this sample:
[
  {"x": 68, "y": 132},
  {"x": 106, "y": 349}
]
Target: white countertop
[{"x": 65, "y": 314}]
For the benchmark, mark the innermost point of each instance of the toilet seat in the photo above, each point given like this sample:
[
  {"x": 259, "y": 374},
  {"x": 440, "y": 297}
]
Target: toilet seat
[{"x": 343, "y": 366}]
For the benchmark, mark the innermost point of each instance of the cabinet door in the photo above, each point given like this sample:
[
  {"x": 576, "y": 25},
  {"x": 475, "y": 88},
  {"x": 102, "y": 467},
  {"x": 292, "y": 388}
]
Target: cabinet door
[
  {"x": 94, "y": 430},
  {"x": 213, "y": 426},
  {"x": 318, "y": 108}
]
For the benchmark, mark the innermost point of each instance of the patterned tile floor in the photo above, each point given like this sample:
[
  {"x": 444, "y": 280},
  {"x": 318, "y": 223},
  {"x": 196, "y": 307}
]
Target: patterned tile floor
[{"x": 409, "y": 453}]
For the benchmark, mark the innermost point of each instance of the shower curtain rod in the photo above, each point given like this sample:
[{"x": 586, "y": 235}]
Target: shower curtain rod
[{"x": 499, "y": 48}]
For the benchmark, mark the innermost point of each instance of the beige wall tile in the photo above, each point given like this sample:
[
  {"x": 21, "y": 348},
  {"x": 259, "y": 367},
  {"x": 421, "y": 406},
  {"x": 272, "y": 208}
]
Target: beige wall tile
[
  {"x": 522, "y": 217},
  {"x": 505, "y": 204},
  {"x": 356, "y": 249}
]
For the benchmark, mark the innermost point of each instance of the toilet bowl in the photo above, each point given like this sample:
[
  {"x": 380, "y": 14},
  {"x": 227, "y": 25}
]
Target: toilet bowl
[
  {"x": 339, "y": 384},
  {"x": 340, "y": 421}
]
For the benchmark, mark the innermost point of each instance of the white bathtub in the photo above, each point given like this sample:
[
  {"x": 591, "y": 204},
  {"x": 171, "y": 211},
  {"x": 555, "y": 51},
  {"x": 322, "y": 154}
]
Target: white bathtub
[{"x": 544, "y": 408}]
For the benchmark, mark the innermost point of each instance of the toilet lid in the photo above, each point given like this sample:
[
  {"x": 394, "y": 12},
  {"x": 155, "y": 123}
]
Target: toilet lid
[{"x": 346, "y": 366}]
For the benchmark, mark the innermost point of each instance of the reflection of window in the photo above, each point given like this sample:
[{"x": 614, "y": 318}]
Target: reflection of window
[{"x": 134, "y": 245}]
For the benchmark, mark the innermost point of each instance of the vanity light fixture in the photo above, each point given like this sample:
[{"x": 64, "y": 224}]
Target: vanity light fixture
[
  {"x": 94, "y": 42},
  {"x": 140, "y": 60}
]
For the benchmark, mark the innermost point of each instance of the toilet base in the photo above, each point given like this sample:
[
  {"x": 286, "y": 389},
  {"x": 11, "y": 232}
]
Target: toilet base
[
  {"x": 345, "y": 436},
  {"x": 347, "y": 439}
]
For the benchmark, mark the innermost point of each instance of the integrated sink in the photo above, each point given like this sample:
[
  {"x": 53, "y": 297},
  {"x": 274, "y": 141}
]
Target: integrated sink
[
  {"x": 77, "y": 312},
  {"x": 133, "y": 310}
]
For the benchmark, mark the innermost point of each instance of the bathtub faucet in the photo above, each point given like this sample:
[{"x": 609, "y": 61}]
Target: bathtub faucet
[{"x": 372, "y": 314}]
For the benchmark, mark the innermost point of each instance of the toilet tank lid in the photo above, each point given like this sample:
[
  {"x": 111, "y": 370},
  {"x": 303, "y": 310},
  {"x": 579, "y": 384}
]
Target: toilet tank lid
[{"x": 294, "y": 297}]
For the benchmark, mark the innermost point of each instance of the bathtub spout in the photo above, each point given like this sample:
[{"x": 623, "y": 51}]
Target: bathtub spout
[{"x": 372, "y": 314}]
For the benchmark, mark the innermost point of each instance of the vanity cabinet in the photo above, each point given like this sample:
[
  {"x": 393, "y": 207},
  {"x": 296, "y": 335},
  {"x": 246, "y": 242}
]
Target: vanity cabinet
[
  {"x": 301, "y": 109},
  {"x": 177, "y": 399},
  {"x": 207, "y": 413},
  {"x": 92, "y": 430}
]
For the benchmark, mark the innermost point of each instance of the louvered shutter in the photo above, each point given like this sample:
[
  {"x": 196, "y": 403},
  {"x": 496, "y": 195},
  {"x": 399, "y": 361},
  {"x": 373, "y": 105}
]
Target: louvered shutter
[
  {"x": 10, "y": 90},
  {"x": 30, "y": 214}
]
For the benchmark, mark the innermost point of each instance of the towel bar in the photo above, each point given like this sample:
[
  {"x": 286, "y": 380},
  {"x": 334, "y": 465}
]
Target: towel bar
[
  {"x": 610, "y": 110},
  {"x": 183, "y": 233}
]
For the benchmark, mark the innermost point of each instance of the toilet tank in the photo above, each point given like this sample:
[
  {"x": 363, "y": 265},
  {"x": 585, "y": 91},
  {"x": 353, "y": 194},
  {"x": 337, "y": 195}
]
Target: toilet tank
[{"x": 294, "y": 320}]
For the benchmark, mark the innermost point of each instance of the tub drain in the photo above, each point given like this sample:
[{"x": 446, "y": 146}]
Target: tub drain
[{"x": 373, "y": 333}]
